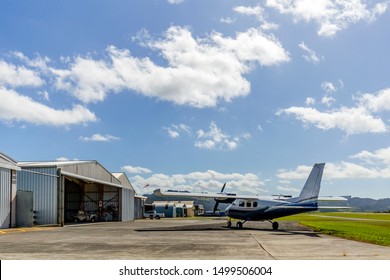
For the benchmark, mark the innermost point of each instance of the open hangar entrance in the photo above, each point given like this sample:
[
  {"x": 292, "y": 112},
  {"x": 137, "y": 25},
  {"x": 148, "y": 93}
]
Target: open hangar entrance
[
  {"x": 65, "y": 190},
  {"x": 89, "y": 201}
]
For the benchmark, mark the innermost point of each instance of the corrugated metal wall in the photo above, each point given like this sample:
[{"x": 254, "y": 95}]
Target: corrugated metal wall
[
  {"x": 5, "y": 196},
  {"x": 127, "y": 205},
  {"x": 45, "y": 188}
]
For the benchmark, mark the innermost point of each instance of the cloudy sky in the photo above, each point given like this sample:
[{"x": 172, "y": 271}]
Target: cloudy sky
[{"x": 189, "y": 94}]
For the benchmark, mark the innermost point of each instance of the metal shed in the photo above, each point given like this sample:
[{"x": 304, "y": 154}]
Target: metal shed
[
  {"x": 166, "y": 207},
  {"x": 187, "y": 208},
  {"x": 63, "y": 188},
  {"x": 8, "y": 170}
]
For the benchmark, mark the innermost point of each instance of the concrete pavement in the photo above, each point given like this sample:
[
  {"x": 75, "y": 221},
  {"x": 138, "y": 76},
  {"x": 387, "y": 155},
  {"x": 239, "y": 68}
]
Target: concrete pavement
[{"x": 180, "y": 239}]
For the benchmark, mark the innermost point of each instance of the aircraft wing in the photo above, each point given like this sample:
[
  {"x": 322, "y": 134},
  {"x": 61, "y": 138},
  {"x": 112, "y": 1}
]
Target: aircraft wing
[
  {"x": 159, "y": 192},
  {"x": 334, "y": 207},
  {"x": 332, "y": 198}
]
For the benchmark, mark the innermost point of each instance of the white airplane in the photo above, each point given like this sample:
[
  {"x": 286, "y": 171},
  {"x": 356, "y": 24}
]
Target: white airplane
[{"x": 265, "y": 208}]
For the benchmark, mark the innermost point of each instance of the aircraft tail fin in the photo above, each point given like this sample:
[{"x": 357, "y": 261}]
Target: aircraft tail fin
[{"x": 312, "y": 186}]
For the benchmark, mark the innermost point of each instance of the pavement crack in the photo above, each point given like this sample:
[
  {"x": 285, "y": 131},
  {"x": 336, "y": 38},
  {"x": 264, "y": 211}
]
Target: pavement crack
[{"x": 262, "y": 247}]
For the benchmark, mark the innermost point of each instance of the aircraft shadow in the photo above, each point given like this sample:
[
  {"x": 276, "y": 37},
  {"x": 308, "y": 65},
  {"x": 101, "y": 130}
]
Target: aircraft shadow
[{"x": 290, "y": 230}]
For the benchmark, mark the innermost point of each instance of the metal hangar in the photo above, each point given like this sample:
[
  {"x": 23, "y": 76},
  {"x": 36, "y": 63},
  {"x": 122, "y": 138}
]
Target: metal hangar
[{"x": 61, "y": 191}]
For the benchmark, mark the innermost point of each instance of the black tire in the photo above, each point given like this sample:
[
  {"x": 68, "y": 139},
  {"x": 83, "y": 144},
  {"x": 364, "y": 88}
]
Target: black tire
[
  {"x": 158, "y": 217},
  {"x": 239, "y": 225},
  {"x": 93, "y": 220},
  {"x": 76, "y": 220},
  {"x": 275, "y": 225},
  {"x": 229, "y": 224}
]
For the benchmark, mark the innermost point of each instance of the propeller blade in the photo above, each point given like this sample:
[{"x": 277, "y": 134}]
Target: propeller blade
[
  {"x": 216, "y": 207},
  {"x": 223, "y": 188}
]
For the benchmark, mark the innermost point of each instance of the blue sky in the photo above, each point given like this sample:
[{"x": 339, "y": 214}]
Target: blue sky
[{"x": 191, "y": 94}]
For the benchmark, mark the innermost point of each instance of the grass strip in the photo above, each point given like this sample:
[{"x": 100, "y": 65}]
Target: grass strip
[{"x": 364, "y": 227}]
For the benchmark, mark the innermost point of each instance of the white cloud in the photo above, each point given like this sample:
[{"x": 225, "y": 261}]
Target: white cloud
[
  {"x": 45, "y": 95},
  {"x": 208, "y": 181},
  {"x": 200, "y": 72},
  {"x": 288, "y": 189},
  {"x": 175, "y": 130},
  {"x": 351, "y": 120},
  {"x": 16, "y": 107},
  {"x": 301, "y": 172},
  {"x": 227, "y": 20},
  {"x": 175, "y": 1},
  {"x": 39, "y": 63},
  {"x": 381, "y": 156},
  {"x": 17, "y": 76},
  {"x": 378, "y": 167},
  {"x": 88, "y": 80},
  {"x": 376, "y": 102},
  {"x": 328, "y": 87},
  {"x": 215, "y": 139},
  {"x": 65, "y": 159},
  {"x": 327, "y": 100},
  {"x": 342, "y": 170},
  {"x": 310, "y": 101},
  {"x": 172, "y": 133},
  {"x": 257, "y": 12},
  {"x": 99, "y": 138},
  {"x": 253, "y": 46},
  {"x": 136, "y": 169},
  {"x": 62, "y": 159},
  {"x": 310, "y": 55},
  {"x": 331, "y": 16}
]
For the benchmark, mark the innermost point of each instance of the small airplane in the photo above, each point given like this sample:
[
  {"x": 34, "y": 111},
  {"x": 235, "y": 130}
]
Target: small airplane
[{"x": 265, "y": 208}]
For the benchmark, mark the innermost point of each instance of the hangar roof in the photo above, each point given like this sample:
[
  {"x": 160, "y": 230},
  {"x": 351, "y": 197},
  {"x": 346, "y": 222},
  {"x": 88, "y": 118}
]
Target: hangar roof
[
  {"x": 53, "y": 163},
  {"x": 87, "y": 170},
  {"x": 121, "y": 176},
  {"x": 8, "y": 162}
]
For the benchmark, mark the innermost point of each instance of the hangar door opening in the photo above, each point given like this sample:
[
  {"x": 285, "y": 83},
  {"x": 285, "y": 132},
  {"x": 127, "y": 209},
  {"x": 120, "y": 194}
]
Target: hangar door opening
[{"x": 90, "y": 202}]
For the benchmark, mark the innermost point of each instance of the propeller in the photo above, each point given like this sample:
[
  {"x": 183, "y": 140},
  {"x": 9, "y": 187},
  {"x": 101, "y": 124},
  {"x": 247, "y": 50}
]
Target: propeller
[{"x": 217, "y": 202}]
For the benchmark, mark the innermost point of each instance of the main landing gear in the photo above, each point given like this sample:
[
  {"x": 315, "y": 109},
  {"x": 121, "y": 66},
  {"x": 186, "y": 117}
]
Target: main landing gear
[
  {"x": 275, "y": 225},
  {"x": 239, "y": 224}
]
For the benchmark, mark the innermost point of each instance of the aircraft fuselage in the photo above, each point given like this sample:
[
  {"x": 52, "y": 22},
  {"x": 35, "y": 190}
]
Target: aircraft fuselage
[{"x": 261, "y": 210}]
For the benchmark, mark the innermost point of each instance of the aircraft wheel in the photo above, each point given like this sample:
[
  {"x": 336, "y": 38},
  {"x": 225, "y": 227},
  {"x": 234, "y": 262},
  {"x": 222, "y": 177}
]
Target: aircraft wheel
[
  {"x": 229, "y": 224},
  {"x": 275, "y": 225},
  {"x": 239, "y": 225}
]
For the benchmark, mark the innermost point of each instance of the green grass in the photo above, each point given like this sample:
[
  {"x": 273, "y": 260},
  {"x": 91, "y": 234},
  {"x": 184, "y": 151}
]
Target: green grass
[{"x": 366, "y": 227}]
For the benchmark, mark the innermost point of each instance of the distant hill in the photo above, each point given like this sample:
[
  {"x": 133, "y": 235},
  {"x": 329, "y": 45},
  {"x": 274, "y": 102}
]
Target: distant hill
[
  {"x": 369, "y": 204},
  {"x": 357, "y": 204}
]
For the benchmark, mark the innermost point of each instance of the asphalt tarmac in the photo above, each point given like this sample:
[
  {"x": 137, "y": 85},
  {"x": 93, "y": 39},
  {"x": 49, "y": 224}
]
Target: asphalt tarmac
[{"x": 181, "y": 239}]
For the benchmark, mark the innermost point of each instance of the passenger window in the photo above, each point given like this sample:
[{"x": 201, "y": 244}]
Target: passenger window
[
  {"x": 255, "y": 204},
  {"x": 241, "y": 204},
  {"x": 248, "y": 204}
]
